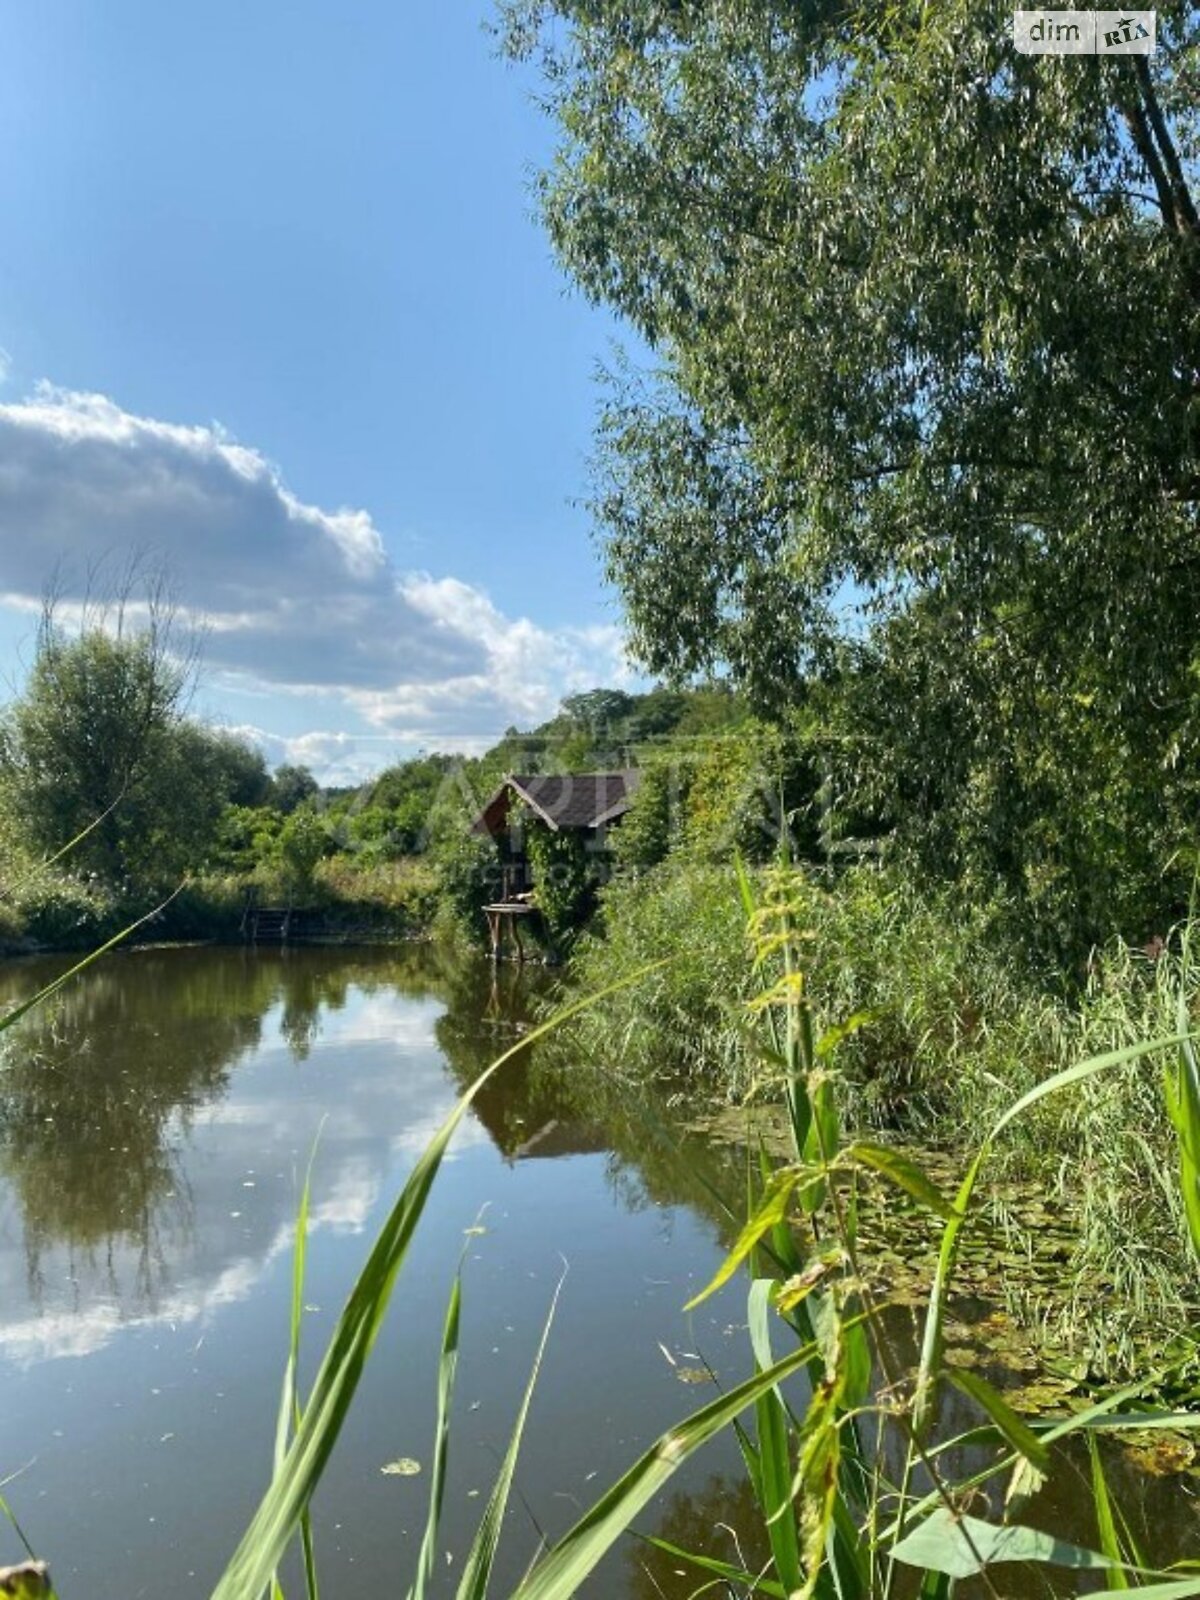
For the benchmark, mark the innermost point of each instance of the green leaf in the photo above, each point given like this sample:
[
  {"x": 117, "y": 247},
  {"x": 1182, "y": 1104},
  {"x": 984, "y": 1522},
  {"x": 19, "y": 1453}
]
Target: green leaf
[
  {"x": 771, "y": 1212},
  {"x": 832, "y": 1037},
  {"x": 1018, "y": 1433},
  {"x": 289, "y": 1402},
  {"x": 905, "y": 1173},
  {"x": 1116, "y": 1537},
  {"x": 447, "y": 1368},
  {"x": 962, "y": 1546},
  {"x": 1083, "y": 1070},
  {"x": 478, "y": 1570},
  {"x": 774, "y": 1447}
]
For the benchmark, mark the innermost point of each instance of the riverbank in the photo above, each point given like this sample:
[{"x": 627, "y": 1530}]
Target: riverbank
[
  {"x": 56, "y": 910},
  {"x": 947, "y": 1030}
]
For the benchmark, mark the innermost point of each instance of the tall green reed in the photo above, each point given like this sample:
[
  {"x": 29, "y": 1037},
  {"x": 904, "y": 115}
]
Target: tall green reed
[{"x": 855, "y": 1524}]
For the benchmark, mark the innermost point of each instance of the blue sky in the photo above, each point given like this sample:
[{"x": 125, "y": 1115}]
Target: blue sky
[{"x": 276, "y": 310}]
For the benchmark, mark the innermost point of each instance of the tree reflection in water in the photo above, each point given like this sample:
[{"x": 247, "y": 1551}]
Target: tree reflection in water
[{"x": 99, "y": 1088}]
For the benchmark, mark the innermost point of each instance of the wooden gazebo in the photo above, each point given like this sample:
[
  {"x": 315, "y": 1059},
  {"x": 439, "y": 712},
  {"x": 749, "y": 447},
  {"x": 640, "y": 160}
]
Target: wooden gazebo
[{"x": 578, "y": 802}]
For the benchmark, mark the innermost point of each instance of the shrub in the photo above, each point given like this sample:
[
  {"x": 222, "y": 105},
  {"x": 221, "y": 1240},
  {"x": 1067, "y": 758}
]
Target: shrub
[
  {"x": 683, "y": 1017},
  {"x": 302, "y": 842},
  {"x": 66, "y": 912},
  {"x": 469, "y": 876}
]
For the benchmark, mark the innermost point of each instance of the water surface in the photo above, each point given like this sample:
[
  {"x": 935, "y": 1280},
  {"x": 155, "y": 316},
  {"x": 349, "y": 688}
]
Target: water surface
[
  {"x": 155, "y": 1125},
  {"x": 154, "y": 1130}
]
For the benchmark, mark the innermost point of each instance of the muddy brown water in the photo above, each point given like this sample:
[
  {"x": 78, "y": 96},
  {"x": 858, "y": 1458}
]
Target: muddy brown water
[{"x": 155, "y": 1124}]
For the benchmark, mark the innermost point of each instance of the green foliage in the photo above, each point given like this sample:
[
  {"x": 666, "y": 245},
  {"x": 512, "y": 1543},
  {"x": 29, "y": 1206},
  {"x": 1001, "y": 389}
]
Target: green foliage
[
  {"x": 651, "y": 825},
  {"x": 303, "y": 841},
  {"x": 65, "y": 912},
  {"x": 97, "y": 750},
  {"x": 469, "y": 876},
  {"x": 565, "y": 875},
  {"x": 244, "y": 771},
  {"x": 290, "y": 788},
  {"x": 711, "y": 797},
  {"x": 926, "y": 316},
  {"x": 392, "y": 817},
  {"x": 682, "y": 1019},
  {"x": 247, "y": 837}
]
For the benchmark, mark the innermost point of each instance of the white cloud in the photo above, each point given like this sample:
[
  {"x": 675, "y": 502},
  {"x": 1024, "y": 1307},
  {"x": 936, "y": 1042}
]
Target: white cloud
[
  {"x": 529, "y": 669},
  {"x": 295, "y": 597}
]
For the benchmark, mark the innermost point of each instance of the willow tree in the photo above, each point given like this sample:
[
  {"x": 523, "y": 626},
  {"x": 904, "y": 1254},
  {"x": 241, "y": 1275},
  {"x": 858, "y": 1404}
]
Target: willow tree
[
  {"x": 98, "y": 748},
  {"x": 926, "y": 406}
]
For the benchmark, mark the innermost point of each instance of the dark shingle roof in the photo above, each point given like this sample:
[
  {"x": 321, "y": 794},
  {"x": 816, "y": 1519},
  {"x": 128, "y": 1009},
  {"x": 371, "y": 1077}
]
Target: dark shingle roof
[{"x": 563, "y": 799}]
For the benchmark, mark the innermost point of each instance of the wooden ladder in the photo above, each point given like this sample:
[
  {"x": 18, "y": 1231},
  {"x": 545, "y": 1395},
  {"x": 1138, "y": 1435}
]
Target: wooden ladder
[{"x": 270, "y": 925}]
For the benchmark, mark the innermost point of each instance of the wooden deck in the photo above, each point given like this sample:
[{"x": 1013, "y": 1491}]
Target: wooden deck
[{"x": 504, "y": 916}]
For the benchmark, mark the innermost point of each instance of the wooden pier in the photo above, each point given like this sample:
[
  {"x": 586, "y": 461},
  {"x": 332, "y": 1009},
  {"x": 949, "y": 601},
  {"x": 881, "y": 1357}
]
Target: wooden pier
[{"x": 504, "y": 916}]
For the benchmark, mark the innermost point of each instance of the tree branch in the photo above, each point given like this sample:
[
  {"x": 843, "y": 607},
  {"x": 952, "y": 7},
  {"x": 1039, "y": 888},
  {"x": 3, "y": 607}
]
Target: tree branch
[
  {"x": 1186, "y": 217},
  {"x": 1139, "y": 130}
]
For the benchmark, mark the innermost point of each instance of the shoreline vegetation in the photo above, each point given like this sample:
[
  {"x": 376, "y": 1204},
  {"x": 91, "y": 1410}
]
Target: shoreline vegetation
[{"x": 960, "y": 1007}]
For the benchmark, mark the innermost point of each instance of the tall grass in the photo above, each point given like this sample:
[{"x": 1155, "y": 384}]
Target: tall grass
[
  {"x": 682, "y": 1026},
  {"x": 958, "y": 1031}
]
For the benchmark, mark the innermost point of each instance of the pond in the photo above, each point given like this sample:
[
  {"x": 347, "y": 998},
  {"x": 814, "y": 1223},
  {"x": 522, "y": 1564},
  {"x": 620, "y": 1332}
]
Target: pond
[{"x": 155, "y": 1127}]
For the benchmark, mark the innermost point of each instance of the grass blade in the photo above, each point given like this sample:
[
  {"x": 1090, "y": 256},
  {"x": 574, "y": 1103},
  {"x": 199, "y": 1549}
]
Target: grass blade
[
  {"x": 770, "y": 1214},
  {"x": 734, "y": 1577},
  {"x": 774, "y": 1455},
  {"x": 289, "y": 1403},
  {"x": 478, "y": 1570},
  {"x": 1019, "y": 1435},
  {"x": 1116, "y": 1536},
  {"x": 447, "y": 1369},
  {"x": 905, "y": 1173},
  {"x": 1086, "y": 1069},
  {"x": 43, "y": 994},
  {"x": 35, "y": 872}
]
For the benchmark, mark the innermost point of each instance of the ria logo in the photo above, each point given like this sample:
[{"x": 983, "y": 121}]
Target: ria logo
[
  {"x": 1084, "y": 33},
  {"x": 1127, "y": 33}
]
